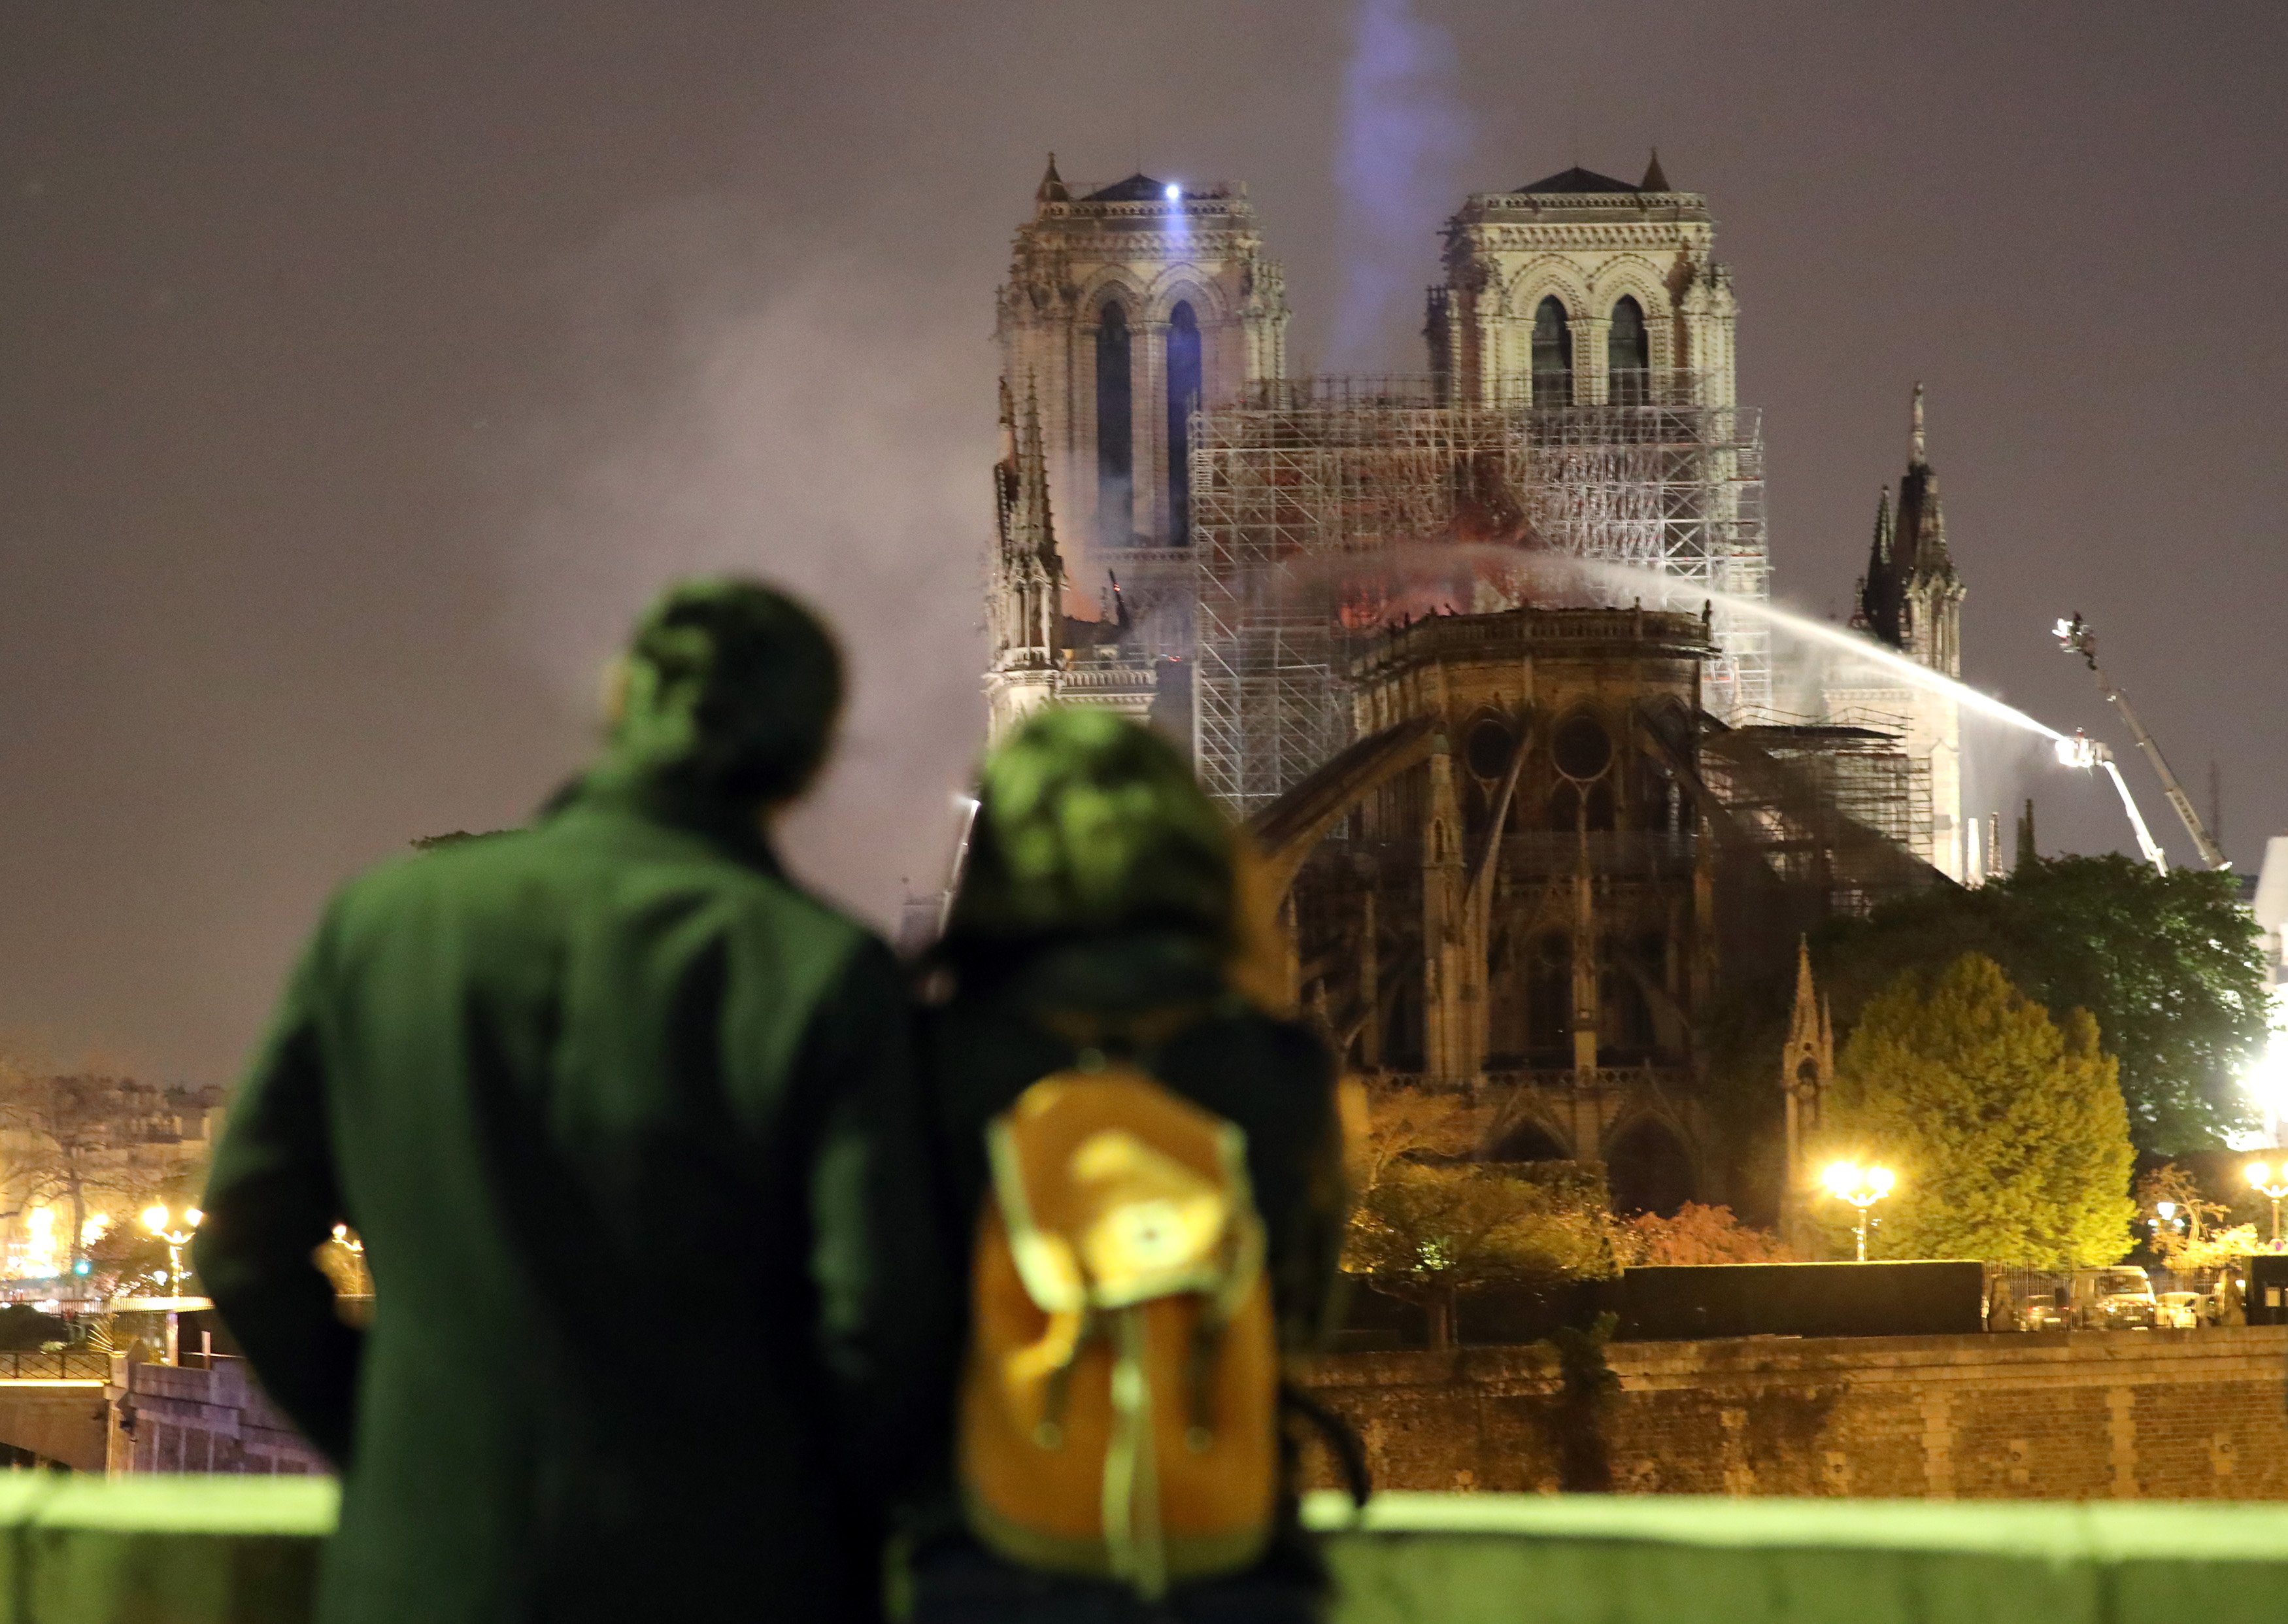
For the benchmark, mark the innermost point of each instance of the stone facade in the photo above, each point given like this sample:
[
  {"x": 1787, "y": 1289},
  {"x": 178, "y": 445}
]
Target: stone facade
[
  {"x": 1524, "y": 913},
  {"x": 1131, "y": 257},
  {"x": 1588, "y": 242},
  {"x": 166, "y": 1418},
  {"x": 2085, "y": 1415}
]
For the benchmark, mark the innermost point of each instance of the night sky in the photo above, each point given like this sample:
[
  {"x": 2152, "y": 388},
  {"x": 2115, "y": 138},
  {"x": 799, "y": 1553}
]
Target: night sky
[{"x": 362, "y": 368}]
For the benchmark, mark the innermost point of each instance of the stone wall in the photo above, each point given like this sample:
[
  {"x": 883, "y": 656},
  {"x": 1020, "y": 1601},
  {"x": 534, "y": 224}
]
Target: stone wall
[
  {"x": 167, "y": 1418},
  {"x": 2126, "y": 1414},
  {"x": 60, "y": 1422}
]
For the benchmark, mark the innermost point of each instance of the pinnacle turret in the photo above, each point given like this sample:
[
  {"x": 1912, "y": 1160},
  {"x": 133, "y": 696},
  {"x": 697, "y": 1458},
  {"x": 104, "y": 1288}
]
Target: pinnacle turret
[
  {"x": 1052, "y": 188},
  {"x": 1655, "y": 178}
]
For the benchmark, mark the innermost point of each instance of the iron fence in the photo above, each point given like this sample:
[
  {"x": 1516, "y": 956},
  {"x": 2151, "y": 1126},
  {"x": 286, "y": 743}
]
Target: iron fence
[{"x": 55, "y": 1365}]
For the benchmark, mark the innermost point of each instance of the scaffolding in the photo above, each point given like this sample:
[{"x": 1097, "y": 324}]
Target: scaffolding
[
  {"x": 1841, "y": 811},
  {"x": 1320, "y": 505}
]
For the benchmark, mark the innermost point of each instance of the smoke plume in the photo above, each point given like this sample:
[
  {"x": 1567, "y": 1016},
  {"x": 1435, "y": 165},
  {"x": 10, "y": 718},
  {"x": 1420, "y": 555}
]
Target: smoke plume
[
  {"x": 809, "y": 424},
  {"x": 1403, "y": 138}
]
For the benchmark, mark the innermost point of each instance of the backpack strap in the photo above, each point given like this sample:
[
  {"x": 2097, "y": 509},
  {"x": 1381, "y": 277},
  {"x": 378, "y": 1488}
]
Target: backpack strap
[
  {"x": 1342, "y": 1441},
  {"x": 1133, "y": 1535}
]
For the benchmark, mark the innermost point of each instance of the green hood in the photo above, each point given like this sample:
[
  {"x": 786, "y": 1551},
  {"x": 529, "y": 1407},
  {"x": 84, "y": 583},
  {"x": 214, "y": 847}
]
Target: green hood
[{"x": 1087, "y": 821}]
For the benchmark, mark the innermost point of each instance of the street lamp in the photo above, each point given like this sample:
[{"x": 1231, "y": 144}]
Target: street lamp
[
  {"x": 162, "y": 1223},
  {"x": 2272, "y": 1183},
  {"x": 2164, "y": 1221},
  {"x": 1862, "y": 1187}
]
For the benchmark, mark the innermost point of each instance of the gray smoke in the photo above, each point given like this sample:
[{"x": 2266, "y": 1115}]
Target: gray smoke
[
  {"x": 1398, "y": 175},
  {"x": 807, "y": 422}
]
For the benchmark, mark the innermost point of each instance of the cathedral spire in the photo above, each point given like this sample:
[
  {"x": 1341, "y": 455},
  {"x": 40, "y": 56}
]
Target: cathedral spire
[
  {"x": 1655, "y": 178},
  {"x": 1924, "y": 586},
  {"x": 1053, "y": 189},
  {"x": 1877, "y": 607},
  {"x": 1807, "y": 1072}
]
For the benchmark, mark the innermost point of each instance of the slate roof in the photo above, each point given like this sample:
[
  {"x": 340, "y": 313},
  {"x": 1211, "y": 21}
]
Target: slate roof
[
  {"x": 1138, "y": 188},
  {"x": 1579, "y": 180}
]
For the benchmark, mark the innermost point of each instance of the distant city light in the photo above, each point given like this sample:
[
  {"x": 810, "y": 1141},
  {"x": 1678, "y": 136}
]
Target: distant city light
[{"x": 1174, "y": 191}]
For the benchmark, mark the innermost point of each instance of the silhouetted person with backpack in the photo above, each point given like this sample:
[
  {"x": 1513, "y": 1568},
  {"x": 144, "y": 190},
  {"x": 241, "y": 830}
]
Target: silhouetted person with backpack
[
  {"x": 1150, "y": 1163},
  {"x": 628, "y": 1125}
]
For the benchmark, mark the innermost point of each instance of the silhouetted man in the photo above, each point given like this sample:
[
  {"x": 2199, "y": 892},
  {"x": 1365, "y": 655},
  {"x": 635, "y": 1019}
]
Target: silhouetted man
[{"x": 628, "y": 1125}]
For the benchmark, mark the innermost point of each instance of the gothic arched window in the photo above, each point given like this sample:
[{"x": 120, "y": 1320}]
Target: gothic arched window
[
  {"x": 1115, "y": 457},
  {"x": 1183, "y": 395},
  {"x": 1628, "y": 355},
  {"x": 1553, "y": 355}
]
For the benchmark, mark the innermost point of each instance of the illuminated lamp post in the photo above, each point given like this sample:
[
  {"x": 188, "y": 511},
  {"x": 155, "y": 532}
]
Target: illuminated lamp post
[
  {"x": 2272, "y": 1183},
  {"x": 162, "y": 1223},
  {"x": 1862, "y": 1187},
  {"x": 2164, "y": 1221}
]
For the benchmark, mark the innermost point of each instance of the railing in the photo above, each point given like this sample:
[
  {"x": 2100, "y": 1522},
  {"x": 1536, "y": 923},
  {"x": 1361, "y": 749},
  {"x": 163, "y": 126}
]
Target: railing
[
  {"x": 60, "y": 1365},
  {"x": 206, "y": 1550}
]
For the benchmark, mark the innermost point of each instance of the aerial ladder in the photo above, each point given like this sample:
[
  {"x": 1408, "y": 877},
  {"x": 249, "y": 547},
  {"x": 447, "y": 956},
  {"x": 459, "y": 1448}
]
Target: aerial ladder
[{"x": 2074, "y": 637}]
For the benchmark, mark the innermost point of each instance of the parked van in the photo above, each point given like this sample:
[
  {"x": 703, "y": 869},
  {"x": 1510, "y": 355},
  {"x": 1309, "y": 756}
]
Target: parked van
[{"x": 2117, "y": 1299}]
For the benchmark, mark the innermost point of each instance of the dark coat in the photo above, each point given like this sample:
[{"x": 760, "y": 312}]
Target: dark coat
[{"x": 628, "y": 1126}]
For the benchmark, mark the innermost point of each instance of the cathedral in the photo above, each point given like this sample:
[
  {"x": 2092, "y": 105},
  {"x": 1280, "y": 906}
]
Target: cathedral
[{"x": 1479, "y": 654}]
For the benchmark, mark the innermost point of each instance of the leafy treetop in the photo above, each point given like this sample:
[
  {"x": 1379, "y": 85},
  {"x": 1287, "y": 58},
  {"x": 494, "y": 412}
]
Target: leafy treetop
[
  {"x": 2007, "y": 1133},
  {"x": 2169, "y": 966}
]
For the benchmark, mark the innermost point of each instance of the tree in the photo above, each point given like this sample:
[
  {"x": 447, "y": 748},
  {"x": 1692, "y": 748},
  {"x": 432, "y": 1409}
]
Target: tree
[
  {"x": 2169, "y": 966},
  {"x": 2179, "y": 1186},
  {"x": 2007, "y": 1133},
  {"x": 1425, "y": 1232},
  {"x": 2215, "y": 1249},
  {"x": 69, "y": 1142},
  {"x": 1698, "y": 1234}
]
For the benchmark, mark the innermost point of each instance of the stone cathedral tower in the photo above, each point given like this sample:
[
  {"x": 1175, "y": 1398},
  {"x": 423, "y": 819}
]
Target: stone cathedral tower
[
  {"x": 1126, "y": 306},
  {"x": 1585, "y": 290}
]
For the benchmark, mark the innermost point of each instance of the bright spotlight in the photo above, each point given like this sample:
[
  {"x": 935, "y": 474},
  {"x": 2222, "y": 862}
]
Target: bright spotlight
[
  {"x": 1174, "y": 191},
  {"x": 2259, "y": 1174}
]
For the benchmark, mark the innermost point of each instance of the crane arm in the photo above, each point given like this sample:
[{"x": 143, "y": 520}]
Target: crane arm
[
  {"x": 2175, "y": 791},
  {"x": 2076, "y": 637}
]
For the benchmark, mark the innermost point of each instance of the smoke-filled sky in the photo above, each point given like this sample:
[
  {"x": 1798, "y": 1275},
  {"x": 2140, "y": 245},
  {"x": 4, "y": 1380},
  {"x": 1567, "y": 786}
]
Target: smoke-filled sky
[{"x": 362, "y": 368}]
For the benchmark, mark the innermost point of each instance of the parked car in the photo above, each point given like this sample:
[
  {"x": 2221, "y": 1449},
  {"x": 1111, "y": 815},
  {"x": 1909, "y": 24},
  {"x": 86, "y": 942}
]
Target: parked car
[
  {"x": 2180, "y": 1311},
  {"x": 2040, "y": 1310},
  {"x": 2117, "y": 1299}
]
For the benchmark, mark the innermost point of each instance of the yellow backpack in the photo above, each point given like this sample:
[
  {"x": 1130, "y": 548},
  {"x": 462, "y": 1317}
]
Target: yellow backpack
[{"x": 1119, "y": 1413}]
